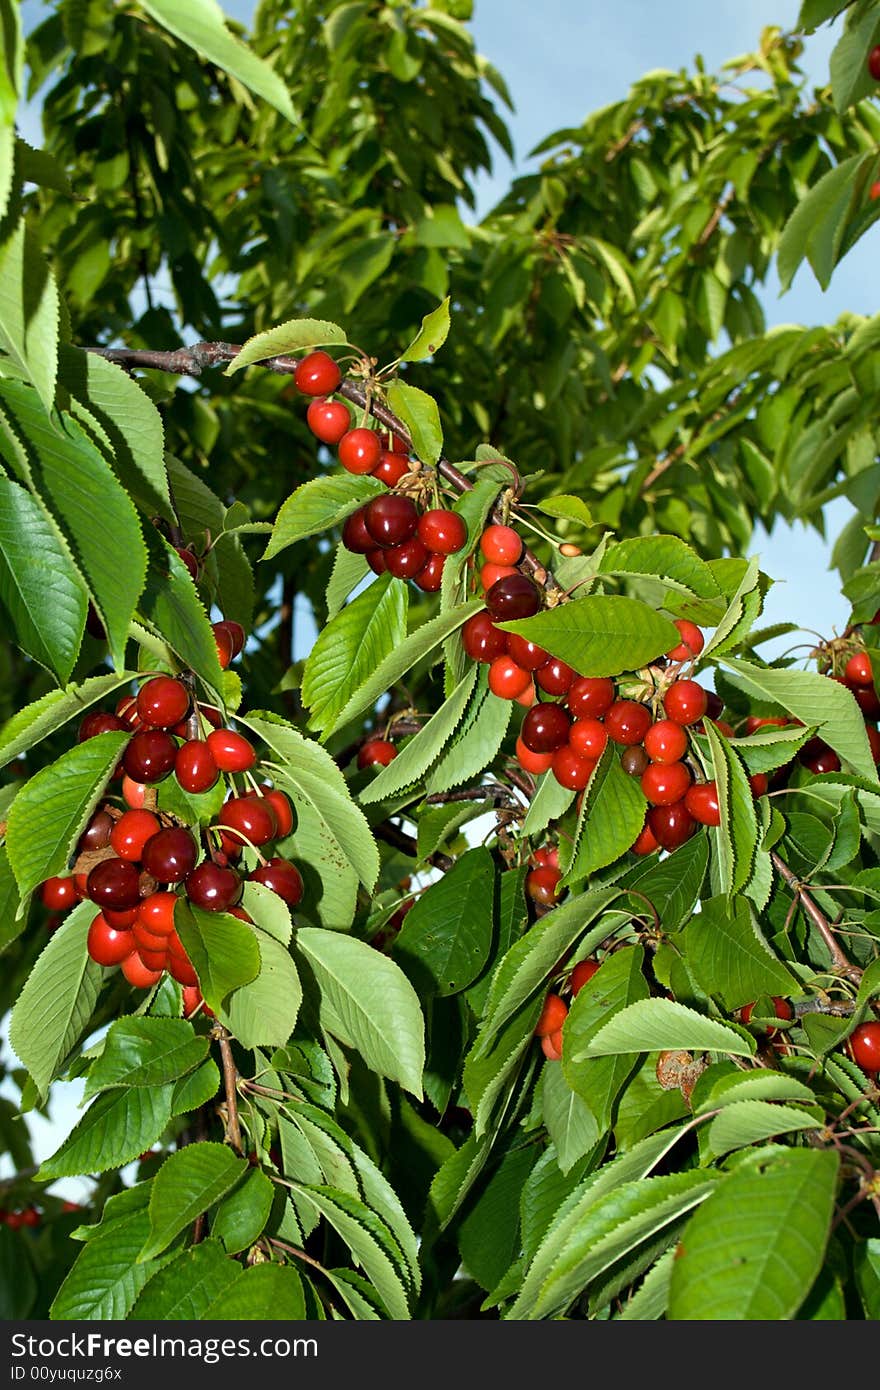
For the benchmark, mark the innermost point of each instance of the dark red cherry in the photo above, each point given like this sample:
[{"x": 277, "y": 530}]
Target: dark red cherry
[
  {"x": 406, "y": 560},
  {"x": 282, "y": 877},
  {"x": 391, "y": 519},
  {"x": 355, "y": 536},
  {"x": 481, "y": 639},
  {"x": 545, "y": 728},
  {"x": 150, "y": 755},
  {"x": 213, "y": 887},
  {"x": 515, "y": 596},
  {"x": 99, "y": 721},
  {"x": 170, "y": 855},
  {"x": 114, "y": 883}
]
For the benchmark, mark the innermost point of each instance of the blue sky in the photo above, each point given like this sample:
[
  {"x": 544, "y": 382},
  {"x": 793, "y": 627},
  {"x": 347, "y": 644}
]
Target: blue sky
[{"x": 563, "y": 59}]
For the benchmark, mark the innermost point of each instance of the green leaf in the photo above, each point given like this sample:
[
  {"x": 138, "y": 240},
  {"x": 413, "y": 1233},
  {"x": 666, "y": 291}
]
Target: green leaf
[
  {"x": 729, "y": 957},
  {"x": 200, "y": 23},
  {"x": 269, "y": 912},
  {"x": 618, "y": 982},
  {"x": 738, "y": 831},
  {"x": 196, "y": 1089},
  {"x": 753, "y": 1251},
  {"x": 369, "y": 1240},
  {"x": 349, "y": 570},
  {"x": 851, "y": 79},
  {"x": 655, "y": 1025},
  {"x": 413, "y": 761},
  {"x": 223, "y": 950},
  {"x": 296, "y": 335},
  {"x": 754, "y": 1085},
  {"x": 317, "y": 505},
  {"x": 487, "y": 1237},
  {"x": 187, "y": 1286},
  {"x": 672, "y": 884},
  {"x": 12, "y": 921},
  {"x": 420, "y": 415},
  {"x": 549, "y": 803},
  {"x": 192, "y": 808},
  {"x": 476, "y": 743},
  {"x": 263, "y": 1013},
  {"x": 431, "y": 336},
  {"x": 172, "y": 604},
  {"x": 816, "y": 227},
  {"x": 571, "y": 1124},
  {"x": 72, "y": 474},
  {"x": 53, "y": 710},
  {"x": 600, "y": 634},
  {"x": 117, "y": 1127},
  {"x": 413, "y": 648},
  {"x": 49, "y": 813},
  {"x": 40, "y": 587},
  {"x": 745, "y": 1122},
  {"x": 56, "y": 1004},
  {"x": 665, "y": 558},
  {"x": 447, "y": 935},
  {"x": 568, "y": 508},
  {"x": 367, "y": 1002},
  {"x": 188, "y": 1183},
  {"x": 611, "y": 817},
  {"x": 29, "y": 312},
  {"x": 106, "y": 1279},
  {"x": 242, "y": 1215},
  {"x": 331, "y": 895},
  {"x": 351, "y": 646},
  {"x": 140, "y": 1051},
  {"x": 310, "y": 776},
  {"x": 261, "y": 1292},
  {"x": 815, "y": 700}
]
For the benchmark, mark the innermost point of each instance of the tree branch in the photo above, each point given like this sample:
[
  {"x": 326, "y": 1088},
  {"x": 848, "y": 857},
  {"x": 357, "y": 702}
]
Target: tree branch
[
  {"x": 815, "y": 914},
  {"x": 230, "y": 1086}
]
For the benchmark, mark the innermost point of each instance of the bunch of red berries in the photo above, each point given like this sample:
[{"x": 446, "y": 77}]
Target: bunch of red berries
[
  {"x": 393, "y": 536},
  {"x": 360, "y": 449},
  {"x": 555, "y": 1010}
]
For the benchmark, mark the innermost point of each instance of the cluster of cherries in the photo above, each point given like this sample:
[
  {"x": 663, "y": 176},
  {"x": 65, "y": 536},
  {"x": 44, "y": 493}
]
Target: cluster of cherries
[
  {"x": 27, "y": 1216},
  {"x": 141, "y": 862}
]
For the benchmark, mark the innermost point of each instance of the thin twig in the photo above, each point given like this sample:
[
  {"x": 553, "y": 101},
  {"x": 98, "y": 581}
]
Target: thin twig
[
  {"x": 839, "y": 959},
  {"x": 230, "y": 1086}
]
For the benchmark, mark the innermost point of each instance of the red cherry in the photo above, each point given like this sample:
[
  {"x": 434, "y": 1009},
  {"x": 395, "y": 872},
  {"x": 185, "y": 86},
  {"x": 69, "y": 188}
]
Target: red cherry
[
  {"x": 397, "y": 445},
  {"x": 666, "y": 742},
  {"x": 514, "y": 597},
  {"x": 582, "y": 972},
  {"x": 317, "y": 375},
  {"x": 99, "y": 721},
  {"x": 146, "y": 940},
  {"x": 138, "y": 974},
  {"x": 105, "y": 944},
  {"x": 755, "y": 722},
  {"x": 627, "y": 722},
  {"x": 552, "y": 1017},
  {"x": 131, "y": 832},
  {"x": 588, "y": 737},
  {"x": 391, "y": 468},
  {"x": 114, "y": 883},
  {"x": 391, "y": 519},
  {"x": 213, "y": 887},
  {"x": 193, "y": 1002},
  {"x": 546, "y": 857},
  {"x": 170, "y": 855},
  {"x": 430, "y": 576},
  {"x": 665, "y": 783},
  {"x": 328, "y": 420},
  {"x": 874, "y": 62},
  {"x": 555, "y": 677},
  {"x": 58, "y": 894},
  {"x": 359, "y": 450},
  {"x": 758, "y": 783},
  {"x": 864, "y": 1044},
  {"x": 542, "y": 885},
  {"x": 874, "y": 194},
  {"x": 376, "y": 750},
  {"x": 283, "y": 810},
  {"x": 133, "y": 793},
  {"x": 691, "y": 644},
  {"x": 122, "y": 920},
  {"x": 501, "y": 545},
  {"x": 282, "y": 877},
  {"x": 701, "y": 800},
  {"x": 149, "y": 756},
  {"x": 671, "y": 825},
  {"x": 355, "y": 536},
  {"x": 545, "y": 728},
  {"x": 442, "y": 531},
  {"x": 685, "y": 702},
  {"x": 249, "y": 820},
  {"x": 490, "y": 574},
  {"x": 156, "y": 914},
  {"x": 236, "y": 632},
  {"x": 406, "y": 560},
  {"x": 30, "y": 1217},
  {"x": 223, "y": 643},
  {"x": 781, "y": 1008},
  {"x": 230, "y": 751},
  {"x": 528, "y": 696},
  {"x": 506, "y": 679},
  {"x": 162, "y": 702},
  {"x": 591, "y": 696},
  {"x": 873, "y": 742},
  {"x": 180, "y": 969},
  {"x": 126, "y": 710},
  {"x": 190, "y": 559},
  {"x": 535, "y": 763},
  {"x": 481, "y": 639},
  {"x": 376, "y": 560},
  {"x": 867, "y": 700},
  {"x": 570, "y": 770},
  {"x": 194, "y": 767},
  {"x": 153, "y": 960},
  {"x": 858, "y": 670},
  {"x": 526, "y": 654},
  {"x": 645, "y": 842},
  {"x": 822, "y": 762},
  {"x": 79, "y": 883},
  {"x": 96, "y": 834}
]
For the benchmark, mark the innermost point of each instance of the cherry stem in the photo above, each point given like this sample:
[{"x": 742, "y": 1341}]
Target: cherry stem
[{"x": 812, "y": 910}]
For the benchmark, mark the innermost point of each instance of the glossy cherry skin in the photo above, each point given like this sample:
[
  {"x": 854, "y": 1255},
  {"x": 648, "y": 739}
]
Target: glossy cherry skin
[
  {"x": 545, "y": 728},
  {"x": 526, "y": 654},
  {"x": 627, "y": 721},
  {"x": 570, "y": 770},
  {"x": 236, "y": 633},
  {"x": 490, "y": 574},
  {"x": 867, "y": 700},
  {"x": 317, "y": 374},
  {"x": 58, "y": 894},
  {"x": 282, "y": 877},
  {"x": 552, "y": 1016},
  {"x": 671, "y": 825},
  {"x": 252, "y": 817},
  {"x": 691, "y": 644},
  {"x": 131, "y": 833},
  {"x": 283, "y": 809},
  {"x": 546, "y": 856},
  {"x": 516, "y": 596},
  {"x": 156, "y": 913},
  {"x": 442, "y": 531},
  {"x": 194, "y": 767},
  {"x": 149, "y": 756},
  {"x": 864, "y": 1045},
  {"x": 170, "y": 855},
  {"x": 180, "y": 969},
  {"x": 391, "y": 519},
  {"x": 430, "y": 576},
  {"x": 759, "y": 783},
  {"x": 542, "y": 885},
  {"x": 359, "y": 450},
  {"x": 506, "y": 679},
  {"x": 223, "y": 642},
  {"x": 535, "y": 763},
  {"x": 665, "y": 783},
  {"x": 874, "y": 64},
  {"x": 873, "y": 742},
  {"x": 122, "y": 920},
  {"x": 590, "y": 697},
  {"x": 214, "y": 887},
  {"x": 645, "y": 842},
  {"x": 582, "y": 972},
  {"x": 99, "y": 721},
  {"x": 193, "y": 1002},
  {"x": 588, "y": 737},
  {"x": 328, "y": 420},
  {"x": 501, "y": 545},
  {"x": 555, "y": 677},
  {"x": 391, "y": 468},
  {"x": 97, "y": 833},
  {"x": 114, "y": 883},
  {"x": 634, "y": 760},
  {"x": 781, "y": 1008},
  {"x": 231, "y": 752},
  {"x": 408, "y": 559},
  {"x": 551, "y": 1046},
  {"x": 138, "y": 974},
  {"x": 106, "y": 944},
  {"x": 376, "y": 560},
  {"x": 701, "y": 801},
  {"x": 481, "y": 639},
  {"x": 355, "y": 536},
  {"x": 666, "y": 742},
  {"x": 686, "y": 702},
  {"x": 376, "y": 750},
  {"x": 162, "y": 702}
]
